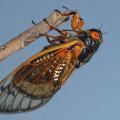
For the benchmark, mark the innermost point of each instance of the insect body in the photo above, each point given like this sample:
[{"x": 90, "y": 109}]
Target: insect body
[{"x": 33, "y": 83}]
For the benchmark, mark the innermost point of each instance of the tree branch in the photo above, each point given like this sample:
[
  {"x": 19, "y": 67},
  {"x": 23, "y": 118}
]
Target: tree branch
[{"x": 30, "y": 35}]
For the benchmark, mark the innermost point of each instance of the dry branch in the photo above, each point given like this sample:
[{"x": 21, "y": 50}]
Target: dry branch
[{"x": 30, "y": 35}]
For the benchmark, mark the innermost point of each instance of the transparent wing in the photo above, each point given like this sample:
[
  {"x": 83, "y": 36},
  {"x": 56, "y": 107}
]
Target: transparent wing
[
  {"x": 34, "y": 82},
  {"x": 13, "y": 100}
]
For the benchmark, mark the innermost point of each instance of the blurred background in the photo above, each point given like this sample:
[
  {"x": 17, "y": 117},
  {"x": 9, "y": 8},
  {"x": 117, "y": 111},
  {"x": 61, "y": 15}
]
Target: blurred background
[{"x": 92, "y": 92}]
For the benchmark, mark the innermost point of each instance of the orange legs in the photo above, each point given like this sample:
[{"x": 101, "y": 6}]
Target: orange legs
[
  {"x": 76, "y": 24},
  {"x": 61, "y": 32}
]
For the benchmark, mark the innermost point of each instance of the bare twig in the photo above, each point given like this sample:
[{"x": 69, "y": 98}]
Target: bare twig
[{"x": 30, "y": 35}]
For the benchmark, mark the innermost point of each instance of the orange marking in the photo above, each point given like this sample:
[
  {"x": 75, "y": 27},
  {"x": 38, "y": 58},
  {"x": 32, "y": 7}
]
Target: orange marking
[
  {"x": 78, "y": 49},
  {"x": 80, "y": 25},
  {"x": 69, "y": 55},
  {"x": 95, "y": 35},
  {"x": 75, "y": 21},
  {"x": 62, "y": 53}
]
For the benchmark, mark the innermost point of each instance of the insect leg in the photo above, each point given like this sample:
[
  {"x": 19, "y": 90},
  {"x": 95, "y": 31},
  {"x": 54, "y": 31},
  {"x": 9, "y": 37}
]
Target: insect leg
[
  {"x": 34, "y": 23},
  {"x": 52, "y": 41},
  {"x": 48, "y": 39},
  {"x": 54, "y": 38},
  {"x": 77, "y": 51},
  {"x": 77, "y": 22},
  {"x": 47, "y": 35},
  {"x": 61, "y": 32}
]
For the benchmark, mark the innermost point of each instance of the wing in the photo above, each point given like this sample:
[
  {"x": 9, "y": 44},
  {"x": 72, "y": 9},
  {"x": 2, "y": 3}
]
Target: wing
[
  {"x": 34, "y": 82},
  {"x": 19, "y": 93},
  {"x": 13, "y": 100}
]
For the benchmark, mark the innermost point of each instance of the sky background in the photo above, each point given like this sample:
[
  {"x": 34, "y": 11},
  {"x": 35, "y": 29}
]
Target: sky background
[{"x": 93, "y": 91}]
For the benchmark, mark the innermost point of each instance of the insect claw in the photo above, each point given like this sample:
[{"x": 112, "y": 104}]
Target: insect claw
[
  {"x": 58, "y": 11},
  {"x": 80, "y": 18},
  {"x": 46, "y": 21},
  {"x": 66, "y": 8},
  {"x": 71, "y": 11},
  {"x": 33, "y": 22}
]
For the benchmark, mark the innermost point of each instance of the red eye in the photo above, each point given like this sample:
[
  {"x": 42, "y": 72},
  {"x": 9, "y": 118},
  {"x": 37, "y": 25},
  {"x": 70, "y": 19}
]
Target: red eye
[{"x": 95, "y": 35}]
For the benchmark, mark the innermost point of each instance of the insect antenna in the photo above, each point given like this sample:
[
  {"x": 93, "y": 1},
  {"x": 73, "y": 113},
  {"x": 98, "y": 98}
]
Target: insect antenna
[
  {"x": 103, "y": 32},
  {"x": 100, "y": 27},
  {"x": 106, "y": 32}
]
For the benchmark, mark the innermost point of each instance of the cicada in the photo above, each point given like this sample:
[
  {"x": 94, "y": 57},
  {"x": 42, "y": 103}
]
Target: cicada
[{"x": 34, "y": 82}]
